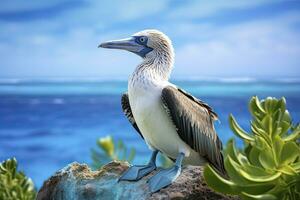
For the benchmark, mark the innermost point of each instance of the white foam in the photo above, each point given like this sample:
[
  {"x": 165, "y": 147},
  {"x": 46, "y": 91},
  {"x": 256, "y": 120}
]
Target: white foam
[{"x": 58, "y": 101}]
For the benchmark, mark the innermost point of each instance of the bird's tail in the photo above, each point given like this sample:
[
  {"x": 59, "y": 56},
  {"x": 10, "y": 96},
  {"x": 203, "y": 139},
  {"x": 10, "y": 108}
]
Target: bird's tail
[{"x": 220, "y": 167}]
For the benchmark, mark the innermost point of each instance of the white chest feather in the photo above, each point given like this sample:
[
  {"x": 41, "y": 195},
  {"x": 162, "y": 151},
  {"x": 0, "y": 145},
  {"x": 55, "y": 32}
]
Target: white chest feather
[{"x": 156, "y": 126}]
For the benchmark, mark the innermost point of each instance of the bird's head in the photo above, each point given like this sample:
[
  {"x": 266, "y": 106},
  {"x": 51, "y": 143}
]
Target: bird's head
[{"x": 149, "y": 44}]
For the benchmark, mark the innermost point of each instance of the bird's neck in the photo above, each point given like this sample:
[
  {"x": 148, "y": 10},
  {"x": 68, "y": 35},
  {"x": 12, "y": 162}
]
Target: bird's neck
[{"x": 158, "y": 68}]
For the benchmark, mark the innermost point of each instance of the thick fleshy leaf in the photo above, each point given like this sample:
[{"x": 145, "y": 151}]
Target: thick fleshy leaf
[
  {"x": 240, "y": 176},
  {"x": 287, "y": 117},
  {"x": 278, "y": 145},
  {"x": 255, "y": 107},
  {"x": 270, "y": 104},
  {"x": 242, "y": 159},
  {"x": 233, "y": 170},
  {"x": 285, "y": 126},
  {"x": 294, "y": 135},
  {"x": 266, "y": 159},
  {"x": 254, "y": 156},
  {"x": 261, "y": 143},
  {"x": 218, "y": 183},
  {"x": 231, "y": 150},
  {"x": 288, "y": 170},
  {"x": 296, "y": 166},
  {"x": 238, "y": 130},
  {"x": 246, "y": 196},
  {"x": 258, "y": 171},
  {"x": 260, "y": 132},
  {"x": 260, "y": 179},
  {"x": 289, "y": 153},
  {"x": 256, "y": 189},
  {"x": 281, "y": 104},
  {"x": 268, "y": 124}
]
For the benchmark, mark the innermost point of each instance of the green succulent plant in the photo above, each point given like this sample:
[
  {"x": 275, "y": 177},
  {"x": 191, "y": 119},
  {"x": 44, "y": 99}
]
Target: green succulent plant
[
  {"x": 14, "y": 185},
  {"x": 268, "y": 167},
  {"x": 109, "y": 150}
]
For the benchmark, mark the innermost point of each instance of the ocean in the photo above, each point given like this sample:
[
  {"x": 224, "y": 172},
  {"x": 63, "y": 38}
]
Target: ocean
[{"x": 47, "y": 124}]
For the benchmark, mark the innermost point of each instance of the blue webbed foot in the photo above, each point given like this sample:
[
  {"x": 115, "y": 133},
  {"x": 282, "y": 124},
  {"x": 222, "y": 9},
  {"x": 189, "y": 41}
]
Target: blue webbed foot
[
  {"x": 163, "y": 178},
  {"x": 166, "y": 176},
  {"x": 137, "y": 172}
]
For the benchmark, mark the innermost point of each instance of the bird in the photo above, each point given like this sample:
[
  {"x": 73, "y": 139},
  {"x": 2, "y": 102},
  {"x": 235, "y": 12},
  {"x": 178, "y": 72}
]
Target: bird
[{"x": 169, "y": 119}]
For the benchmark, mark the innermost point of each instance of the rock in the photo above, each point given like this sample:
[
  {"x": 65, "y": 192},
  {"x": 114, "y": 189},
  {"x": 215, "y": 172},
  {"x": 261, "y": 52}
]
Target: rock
[{"x": 78, "y": 182}]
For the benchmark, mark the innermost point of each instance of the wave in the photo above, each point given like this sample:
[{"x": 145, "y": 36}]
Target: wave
[
  {"x": 59, "y": 80},
  {"x": 15, "y": 81}
]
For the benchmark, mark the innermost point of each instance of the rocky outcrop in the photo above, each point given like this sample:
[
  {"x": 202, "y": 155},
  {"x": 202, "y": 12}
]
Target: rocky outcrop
[{"x": 78, "y": 182}]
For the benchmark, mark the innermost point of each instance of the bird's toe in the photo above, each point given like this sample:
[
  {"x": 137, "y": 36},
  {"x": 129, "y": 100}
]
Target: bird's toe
[{"x": 163, "y": 178}]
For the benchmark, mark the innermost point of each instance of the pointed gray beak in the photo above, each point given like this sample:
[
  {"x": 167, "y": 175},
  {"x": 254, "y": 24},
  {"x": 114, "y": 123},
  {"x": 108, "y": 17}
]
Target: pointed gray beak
[{"x": 128, "y": 44}]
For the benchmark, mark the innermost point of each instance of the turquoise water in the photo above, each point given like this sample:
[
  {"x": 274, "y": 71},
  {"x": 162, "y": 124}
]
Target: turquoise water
[{"x": 47, "y": 124}]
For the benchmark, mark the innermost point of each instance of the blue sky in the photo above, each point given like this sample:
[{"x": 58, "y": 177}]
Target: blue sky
[{"x": 59, "y": 38}]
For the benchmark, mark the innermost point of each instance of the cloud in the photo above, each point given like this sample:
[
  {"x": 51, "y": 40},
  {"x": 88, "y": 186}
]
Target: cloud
[
  {"x": 263, "y": 48},
  {"x": 65, "y": 43},
  {"x": 201, "y": 9},
  {"x": 13, "y": 6}
]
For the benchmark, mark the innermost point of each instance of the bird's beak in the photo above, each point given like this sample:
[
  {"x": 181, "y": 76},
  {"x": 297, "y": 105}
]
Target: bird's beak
[{"x": 128, "y": 44}]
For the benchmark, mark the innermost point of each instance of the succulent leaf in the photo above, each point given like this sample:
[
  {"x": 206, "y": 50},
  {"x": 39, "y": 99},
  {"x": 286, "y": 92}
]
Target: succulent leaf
[
  {"x": 294, "y": 135},
  {"x": 234, "y": 171},
  {"x": 266, "y": 159},
  {"x": 218, "y": 183},
  {"x": 246, "y": 196},
  {"x": 14, "y": 184},
  {"x": 238, "y": 130},
  {"x": 289, "y": 153}
]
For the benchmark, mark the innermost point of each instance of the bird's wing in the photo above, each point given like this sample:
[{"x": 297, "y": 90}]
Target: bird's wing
[
  {"x": 193, "y": 120},
  {"x": 128, "y": 113}
]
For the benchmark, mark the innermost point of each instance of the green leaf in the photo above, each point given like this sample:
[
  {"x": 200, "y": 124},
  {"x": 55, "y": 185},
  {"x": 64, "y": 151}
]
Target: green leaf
[
  {"x": 268, "y": 124},
  {"x": 218, "y": 183},
  {"x": 258, "y": 171},
  {"x": 257, "y": 188},
  {"x": 14, "y": 184},
  {"x": 294, "y": 135},
  {"x": 286, "y": 117},
  {"x": 260, "y": 179},
  {"x": 278, "y": 144},
  {"x": 261, "y": 133},
  {"x": 288, "y": 170},
  {"x": 231, "y": 150},
  {"x": 289, "y": 153},
  {"x": 255, "y": 107},
  {"x": 296, "y": 166},
  {"x": 233, "y": 170},
  {"x": 246, "y": 196},
  {"x": 238, "y": 130},
  {"x": 270, "y": 104},
  {"x": 254, "y": 156},
  {"x": 266, "y": 159}
]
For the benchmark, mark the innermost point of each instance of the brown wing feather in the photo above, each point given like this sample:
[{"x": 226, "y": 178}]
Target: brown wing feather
[
  {"x": 194, "y": 123},
  {"x": 128, "y": 113}
]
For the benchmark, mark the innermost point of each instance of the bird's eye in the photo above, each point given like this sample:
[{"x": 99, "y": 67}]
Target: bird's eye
[{"x": 142, "y": 39}]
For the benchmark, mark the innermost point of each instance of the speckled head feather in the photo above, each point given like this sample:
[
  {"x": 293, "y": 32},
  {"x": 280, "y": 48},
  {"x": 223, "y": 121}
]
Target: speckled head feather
[
  {"x": 162, "y": 56},
  {"x": 161, "y": 44}
]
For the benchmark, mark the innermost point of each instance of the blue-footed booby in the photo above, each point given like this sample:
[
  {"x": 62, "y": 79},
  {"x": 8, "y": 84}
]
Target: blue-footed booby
[{"x": 170, "y": 120}]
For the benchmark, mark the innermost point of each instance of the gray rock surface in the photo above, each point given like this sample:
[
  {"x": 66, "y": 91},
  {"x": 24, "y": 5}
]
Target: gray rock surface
[{"x": 78, "y": 182}]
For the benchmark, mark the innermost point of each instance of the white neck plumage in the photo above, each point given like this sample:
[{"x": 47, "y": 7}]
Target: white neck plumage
[{"x": 157, "y": 66}]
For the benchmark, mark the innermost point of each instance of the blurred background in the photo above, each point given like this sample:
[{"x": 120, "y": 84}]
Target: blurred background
[{"x": 59, "y": 93}]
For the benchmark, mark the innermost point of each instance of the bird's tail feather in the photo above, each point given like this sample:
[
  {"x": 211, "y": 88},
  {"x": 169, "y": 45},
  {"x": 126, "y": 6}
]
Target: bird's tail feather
[{"x": 220, "y": 168}]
